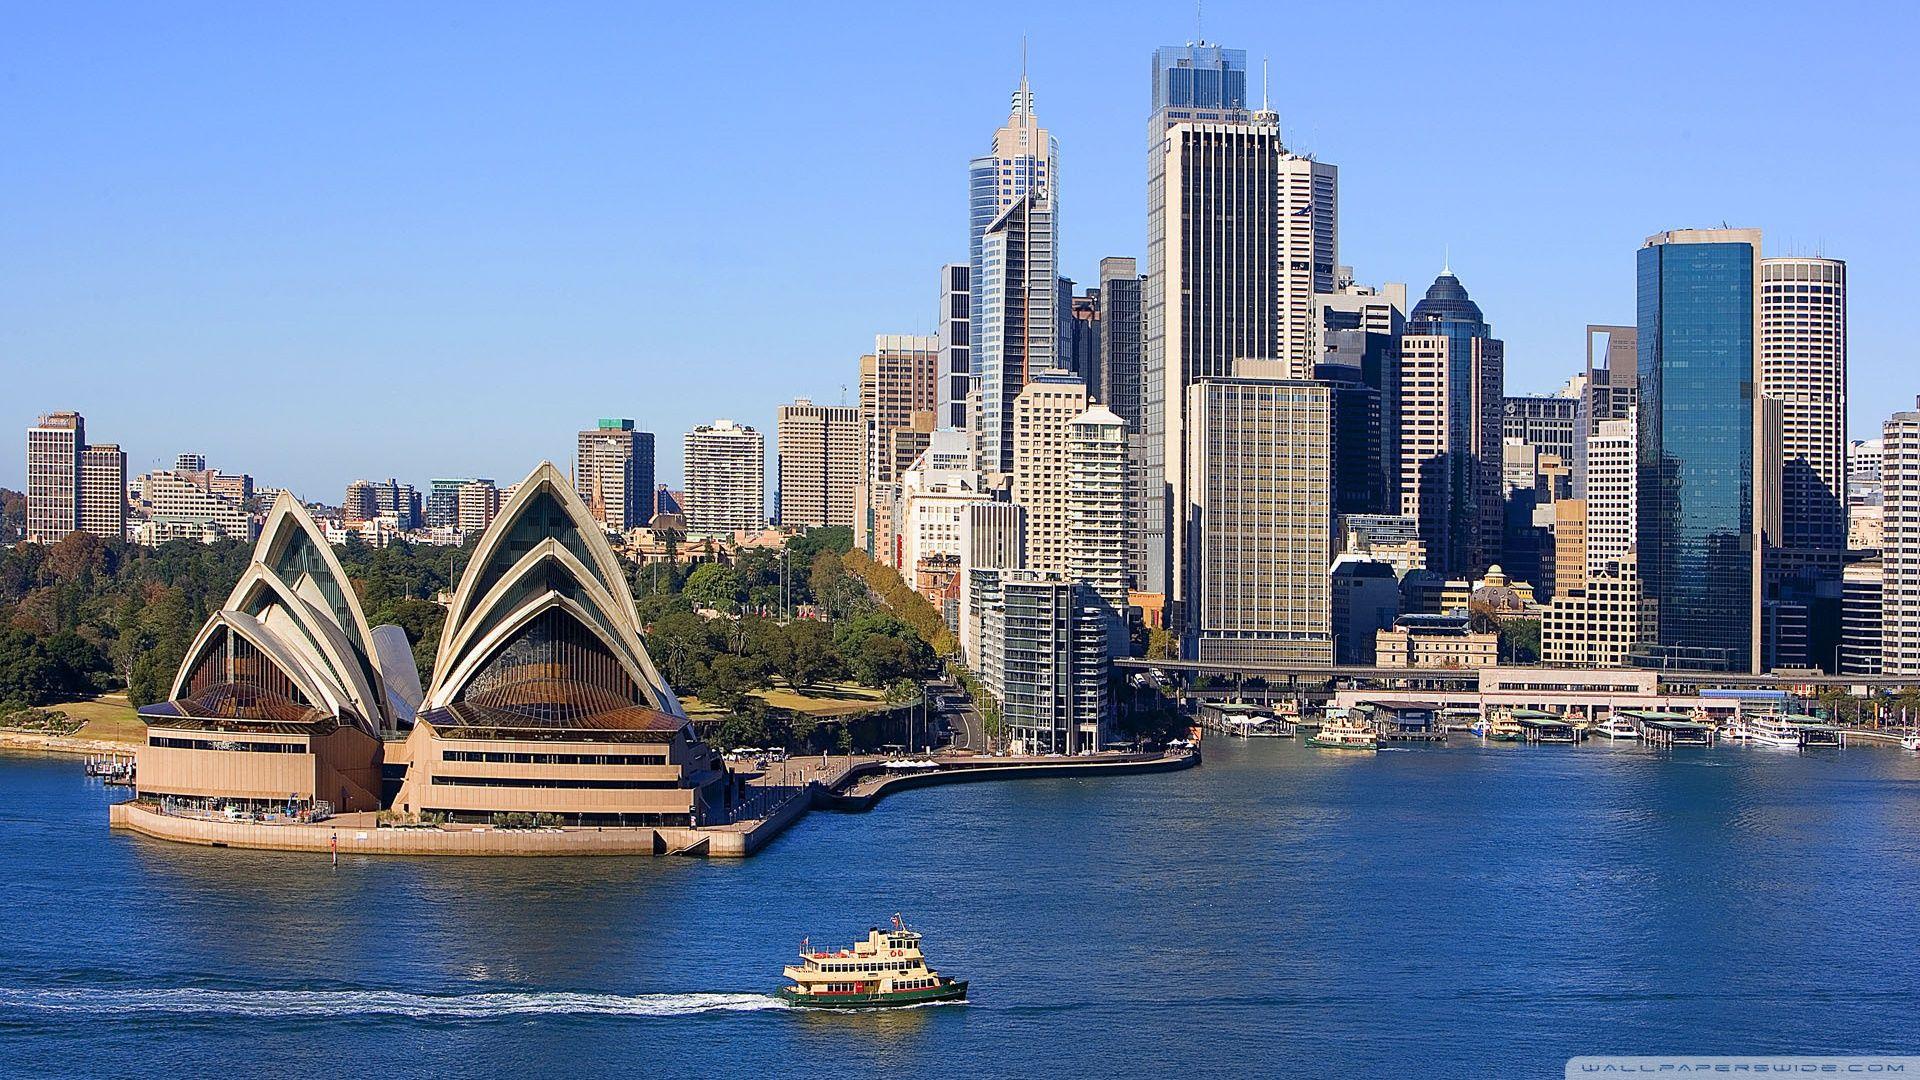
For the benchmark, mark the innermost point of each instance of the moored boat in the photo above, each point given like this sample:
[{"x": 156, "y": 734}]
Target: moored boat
[
  {"x": 1615, "y": 728},
  {"x": 1911, "y": 742},
  {"x": 887, "y": 970},
  {"x": 1772, "y": 731}
]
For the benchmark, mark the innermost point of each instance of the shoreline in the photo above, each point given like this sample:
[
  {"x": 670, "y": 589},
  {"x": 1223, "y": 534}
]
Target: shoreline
[
  {"x": 361, "y": 834},
  {"x": 76, "y": 745}
]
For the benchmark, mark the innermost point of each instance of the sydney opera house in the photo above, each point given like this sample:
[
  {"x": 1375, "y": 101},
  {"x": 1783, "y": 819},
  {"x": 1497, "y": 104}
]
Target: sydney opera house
[{"x": 544, "y": 701}]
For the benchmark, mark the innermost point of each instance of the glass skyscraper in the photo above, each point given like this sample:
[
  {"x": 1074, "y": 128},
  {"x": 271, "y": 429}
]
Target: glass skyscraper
[
  {"x": 1024, "y": 156},
  {"x": 1702, "y": 476}
]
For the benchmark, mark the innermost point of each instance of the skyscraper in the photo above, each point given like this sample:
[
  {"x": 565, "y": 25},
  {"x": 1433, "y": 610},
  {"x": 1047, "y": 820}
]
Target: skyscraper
[
  {"x": 1240, "y": 235},
  {"x": 726, "y": 467},
  {"x": 1016, "y": 335},
  {"x": 103, "y": 491},
  {"x": 898, "y": 379},
  {"x": 1612, "y": 494},
  {"x": 54, "y": 445},
  {"x": 1023, "y": 157},
  {"x": 1900, "y": 545},
  {"x": 1041, "y": 423},
  {"x": 1098, "y": 527},
  {"x": 613, "y": 473},
  {"x": 822, "y": 451},
  {"x": 1120, "y": 344},
  {"x": 1452, "y": 378},
  {"x": 955, "y": 366},
  {"x": 1703, "y": 465},
  {"x": 1803, "y": 366},
  {"x": 1608, "y": 392},
  {"x": 1260, "y": 485},
  {"x": 1048, "y": 637}
]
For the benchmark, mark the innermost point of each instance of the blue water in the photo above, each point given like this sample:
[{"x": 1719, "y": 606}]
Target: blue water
[{"x": 1467, "y": 911}]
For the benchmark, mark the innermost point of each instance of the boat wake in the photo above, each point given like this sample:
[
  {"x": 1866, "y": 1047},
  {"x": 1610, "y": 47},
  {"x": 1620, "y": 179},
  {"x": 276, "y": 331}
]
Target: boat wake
[{"x": 327, "y": 1004}]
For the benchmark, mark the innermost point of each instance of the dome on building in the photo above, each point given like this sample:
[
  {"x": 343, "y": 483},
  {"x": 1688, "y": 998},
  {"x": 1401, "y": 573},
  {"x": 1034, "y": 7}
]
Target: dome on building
[{"x": 1446, "y": 301}]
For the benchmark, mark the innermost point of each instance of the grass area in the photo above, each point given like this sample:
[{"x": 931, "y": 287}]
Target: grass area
[
  {"x": 108, "y": 718},
  {"x": 825, "y": 702}
]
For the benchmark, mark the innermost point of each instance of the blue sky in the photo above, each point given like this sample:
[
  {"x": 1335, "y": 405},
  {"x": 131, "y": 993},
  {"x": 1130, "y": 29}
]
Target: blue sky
[{"x": 321, "y": 242}]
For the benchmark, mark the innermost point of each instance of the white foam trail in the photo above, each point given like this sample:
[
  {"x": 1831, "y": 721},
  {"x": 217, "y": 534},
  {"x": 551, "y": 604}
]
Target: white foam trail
[{"x": 322, "y": 1004}]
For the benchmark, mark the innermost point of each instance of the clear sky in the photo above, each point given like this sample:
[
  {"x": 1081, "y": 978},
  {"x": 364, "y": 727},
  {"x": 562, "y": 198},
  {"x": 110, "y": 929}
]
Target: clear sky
[{"x": 328, "y": 241}]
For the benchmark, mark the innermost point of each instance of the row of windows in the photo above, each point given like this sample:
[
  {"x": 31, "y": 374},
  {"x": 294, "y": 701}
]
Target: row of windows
[
  {"x": 227, "y": 744},
  {"x": 555, "y": 759},
  {"x": 542, "y": 782}
]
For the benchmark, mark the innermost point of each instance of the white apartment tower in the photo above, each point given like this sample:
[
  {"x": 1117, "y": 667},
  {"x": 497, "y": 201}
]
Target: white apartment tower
[
  {"x": 54, "y": 447},
  {"x": 1041, "y": 424},
  {"x": 726, "y": 479},
  {"x": 1900, "y": 546},
  {"x": 822, "y": 463},
  {"x": 103, "y": 491},
  {"x": 1099, "y": 483}
]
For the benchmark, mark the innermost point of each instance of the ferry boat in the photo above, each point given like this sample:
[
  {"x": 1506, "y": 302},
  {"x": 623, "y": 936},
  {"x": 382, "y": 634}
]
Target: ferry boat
[
  {"x": 1910, "y": 742},
  {"x": 887, "y": 970},
  {"x": 1616, "y": 728},
  {"x": 1343, "y": 733},
  {"x": 1505, "y": 731},
  {"x": 1772, "y": 731}
]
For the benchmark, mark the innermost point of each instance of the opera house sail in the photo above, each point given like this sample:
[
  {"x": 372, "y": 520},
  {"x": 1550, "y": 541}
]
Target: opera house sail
[
  {"x": 544, "y": 701},
  {"x": 279, "y": 702}
]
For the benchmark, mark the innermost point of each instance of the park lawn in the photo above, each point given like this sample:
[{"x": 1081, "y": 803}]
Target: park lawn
[
  {"x": 108, "y": 718},
  {"x": 827, "y": 702}
]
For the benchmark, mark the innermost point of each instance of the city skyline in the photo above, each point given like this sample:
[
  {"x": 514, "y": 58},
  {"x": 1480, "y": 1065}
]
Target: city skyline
[{"x": 351, "y": 240}]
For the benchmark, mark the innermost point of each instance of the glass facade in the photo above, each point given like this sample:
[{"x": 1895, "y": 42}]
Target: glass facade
[{"x": 1697, "y": 529}]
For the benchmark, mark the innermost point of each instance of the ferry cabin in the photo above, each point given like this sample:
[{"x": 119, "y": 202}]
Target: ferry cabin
[{"x": 885, "y": 962}]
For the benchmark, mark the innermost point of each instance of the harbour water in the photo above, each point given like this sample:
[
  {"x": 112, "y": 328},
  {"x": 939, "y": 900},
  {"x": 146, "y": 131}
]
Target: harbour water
[{"x": 1472, "y": 910}]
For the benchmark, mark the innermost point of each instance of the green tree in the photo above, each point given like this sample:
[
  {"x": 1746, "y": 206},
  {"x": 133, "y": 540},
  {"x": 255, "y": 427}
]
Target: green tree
[
  {"x": 805, "y": 654},
  {"x": 715, "y": 585}
]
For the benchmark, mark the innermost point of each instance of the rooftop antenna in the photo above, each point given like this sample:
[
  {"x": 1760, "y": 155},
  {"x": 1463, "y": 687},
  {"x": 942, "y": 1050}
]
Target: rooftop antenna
[
  {"x": 1200, "y": 21},
  {"x": 1263, "y": 86},
  {"x": 1446, "y": 260}
]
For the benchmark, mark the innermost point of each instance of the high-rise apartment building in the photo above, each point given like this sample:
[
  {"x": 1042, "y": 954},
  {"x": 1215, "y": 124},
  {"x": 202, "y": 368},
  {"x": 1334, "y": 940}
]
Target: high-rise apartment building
[
  {"x": 726, "y": 466},
  {"x": 103, "y": 491},
  {"x": 1041, "y": 424},
  {"x": 955, "y": 366},
  {"x": 1098, "y": 491},
  {"x": 1047, "y": 639},
  {"x": 443, "y": 502},
  {"x": 476, "y": 505},
  {"x": 54, "y": 447},
  {"x": 1120, "y": 389},
  {"x": 1900, "y": 544},
  {"x": 1260, "y": 487},
  {"x": 1803, "y": 366},
  {"x": 176, "y": 504},
  {"x": 373, "y": 500},
  {"x": 1016, "y": 325},
  {"x": 1708, "y": 485},
  {"x": 357, "y": 505},
  {"x": 823, "y": 458},
  {"x": 1241, "y": 235},
  {"x": 613, "y": 473},
  {"x": 1452, "y": 378},
  {"x": 993, "y": 540},
  {"x": 1861, "y": 613}
]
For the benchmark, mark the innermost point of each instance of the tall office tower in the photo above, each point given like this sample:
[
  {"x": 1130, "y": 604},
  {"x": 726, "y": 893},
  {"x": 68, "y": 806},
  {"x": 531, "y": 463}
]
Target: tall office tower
[
  {"x": 1608, "y": 392},
  {"x": 1080, "y": 325},
  {"x": 1203, "y": 83},
  {"x": 726, "y": 479},
  {"x": 1862, "y": 587},
  {"x": 1451, "y": 393},
  {"x": 54, "y": 448},
  {"x": 613, "y": 472},
  {"x": 1098, "y": 490},
  {"x": 1120, "y": 287},
  {"x": 1803, "y": 366},
  {"x": 993, "y": 539},
  {"x": 477, "y": 504},
  {"x": 1545, "y": 422},
  {"x": 822, "y": 450},
  {"x": 1017, "y": 339},
  {"x": 1360, "y": 473},
  {"x": 1359, "y": 330},
  {"x": 897, "y": 380},
  {"x": 1900, "y": 544},
  {"x": 103, "y": 491},
  {"x": 1047, "y": 635},
  {"x": 358, "y": 505},
  {"x": 1708, "y": 488},
  {"x": 1024, "y": 158},
  {"x": 1041, "y": 422},
  {"x": 955, "y": 366},
  {"x": 1240, "y": 235},
  {"x": 443, "y": 502},
  {"x": 1260, "y": 485},
  {"x": 1612, "y": 494}
]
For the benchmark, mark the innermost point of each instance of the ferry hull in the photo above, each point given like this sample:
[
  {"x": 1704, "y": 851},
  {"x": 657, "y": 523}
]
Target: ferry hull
[{"x": 950, "y": 991}]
